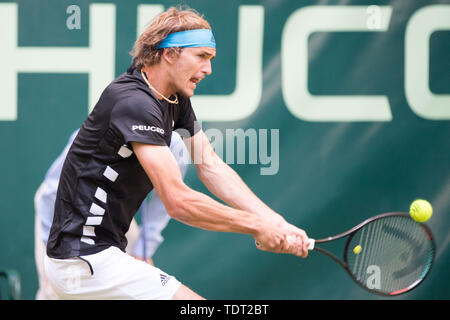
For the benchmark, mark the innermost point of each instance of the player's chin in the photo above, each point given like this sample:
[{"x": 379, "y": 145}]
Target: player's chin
[{"x": 187, "y": 92}]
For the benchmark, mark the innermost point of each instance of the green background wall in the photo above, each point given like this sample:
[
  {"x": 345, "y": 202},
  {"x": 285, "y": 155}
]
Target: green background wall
[{"x": 332, "y": 174}]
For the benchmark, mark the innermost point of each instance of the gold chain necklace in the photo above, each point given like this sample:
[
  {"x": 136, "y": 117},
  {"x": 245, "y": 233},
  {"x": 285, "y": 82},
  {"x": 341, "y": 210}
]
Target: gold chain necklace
[{"x": 150, "y": 86}]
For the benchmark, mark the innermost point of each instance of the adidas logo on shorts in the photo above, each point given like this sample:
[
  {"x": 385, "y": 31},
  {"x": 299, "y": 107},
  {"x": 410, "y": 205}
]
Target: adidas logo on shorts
[{"x": 164, "y": 278}]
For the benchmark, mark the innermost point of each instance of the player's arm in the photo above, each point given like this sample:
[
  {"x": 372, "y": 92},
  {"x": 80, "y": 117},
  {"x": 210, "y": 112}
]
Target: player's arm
[
  {"x": 199, "y": 210},
  {"x": 154, "y": 217},
  {"x": 226, "y": 184}
]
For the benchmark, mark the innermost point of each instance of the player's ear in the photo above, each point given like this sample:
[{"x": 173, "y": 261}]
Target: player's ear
[{"x": 171, "y": 55}]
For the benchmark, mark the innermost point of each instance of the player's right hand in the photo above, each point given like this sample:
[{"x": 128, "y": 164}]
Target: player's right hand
[
  {"x": 298, "y": 239},
  {"x": 282, "y": 239}
]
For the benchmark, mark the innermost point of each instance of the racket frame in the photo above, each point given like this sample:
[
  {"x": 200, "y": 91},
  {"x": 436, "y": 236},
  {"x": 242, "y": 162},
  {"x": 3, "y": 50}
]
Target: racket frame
[{"x": 344, "y": 263}]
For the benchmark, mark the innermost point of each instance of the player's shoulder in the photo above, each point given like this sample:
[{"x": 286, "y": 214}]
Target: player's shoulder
[
  {"x": 137, "y": 102},
  {"x": 123, "y": 85}
]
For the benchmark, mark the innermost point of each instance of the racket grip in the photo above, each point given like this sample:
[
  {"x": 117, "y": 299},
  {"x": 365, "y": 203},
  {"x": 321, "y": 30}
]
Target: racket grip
[{"x": 311, "y": 244}]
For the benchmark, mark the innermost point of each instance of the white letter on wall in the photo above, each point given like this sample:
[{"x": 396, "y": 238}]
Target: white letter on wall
[
  {"x": 417, "y": 68},
  {"x": 146, "y": 12},
  {"x": 294, "y": 65},
  {"x": 247, "y": 94},
  {"x": 98, "y": 60}
]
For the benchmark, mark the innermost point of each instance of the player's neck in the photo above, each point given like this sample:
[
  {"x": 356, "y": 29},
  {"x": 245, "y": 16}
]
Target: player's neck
[{"x": 157, "y": 78}]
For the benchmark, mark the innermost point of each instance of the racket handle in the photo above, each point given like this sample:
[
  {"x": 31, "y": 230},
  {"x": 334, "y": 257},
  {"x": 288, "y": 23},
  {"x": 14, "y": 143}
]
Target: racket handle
[{"x": 311, "y": 244}]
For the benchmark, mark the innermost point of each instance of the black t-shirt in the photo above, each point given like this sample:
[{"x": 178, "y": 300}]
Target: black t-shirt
[{"x": 102, "y": 184}]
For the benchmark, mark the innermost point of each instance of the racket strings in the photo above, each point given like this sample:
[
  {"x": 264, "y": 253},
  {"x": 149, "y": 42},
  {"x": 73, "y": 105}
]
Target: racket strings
[{"x": 395, "y": 253}]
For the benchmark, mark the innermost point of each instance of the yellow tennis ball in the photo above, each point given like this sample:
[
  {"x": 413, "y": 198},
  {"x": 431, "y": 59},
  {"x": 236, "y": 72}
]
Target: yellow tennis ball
[
  {"x": 357, "y": 249},
  {"x": 420, "y": 210}
]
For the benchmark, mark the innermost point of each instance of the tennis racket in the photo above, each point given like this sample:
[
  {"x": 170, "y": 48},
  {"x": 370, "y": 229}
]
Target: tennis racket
[{"x": 388, "y": 254}]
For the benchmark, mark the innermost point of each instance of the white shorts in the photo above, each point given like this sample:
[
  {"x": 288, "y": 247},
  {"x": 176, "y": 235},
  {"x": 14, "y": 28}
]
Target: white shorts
[{"x": 110, "y": 274}]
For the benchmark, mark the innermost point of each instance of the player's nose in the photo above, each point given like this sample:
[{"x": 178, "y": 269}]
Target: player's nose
[{"x": 207, "y": 68}]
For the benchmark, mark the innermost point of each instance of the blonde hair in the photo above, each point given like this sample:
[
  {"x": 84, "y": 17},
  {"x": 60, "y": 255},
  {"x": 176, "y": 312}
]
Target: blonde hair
[{"x": 170, "y": 21}]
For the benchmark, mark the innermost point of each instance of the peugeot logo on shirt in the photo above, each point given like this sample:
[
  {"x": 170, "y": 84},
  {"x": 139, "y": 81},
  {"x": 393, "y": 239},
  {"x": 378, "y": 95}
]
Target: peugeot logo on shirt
[{"x": 147, "y": 128}]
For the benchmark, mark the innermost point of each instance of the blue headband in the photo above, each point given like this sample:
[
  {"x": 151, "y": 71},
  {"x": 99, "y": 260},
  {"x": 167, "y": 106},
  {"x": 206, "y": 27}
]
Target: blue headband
[{"x": 189, "y": 38}]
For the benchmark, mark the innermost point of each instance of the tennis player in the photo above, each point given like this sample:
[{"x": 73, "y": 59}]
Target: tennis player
[
  {"x": 143, "y": 240},
  {"x": 121, "y": 153}
]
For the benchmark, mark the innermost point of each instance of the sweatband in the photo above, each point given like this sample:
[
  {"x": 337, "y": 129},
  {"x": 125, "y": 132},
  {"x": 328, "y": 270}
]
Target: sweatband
[{"x": 189, "y": 38}]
